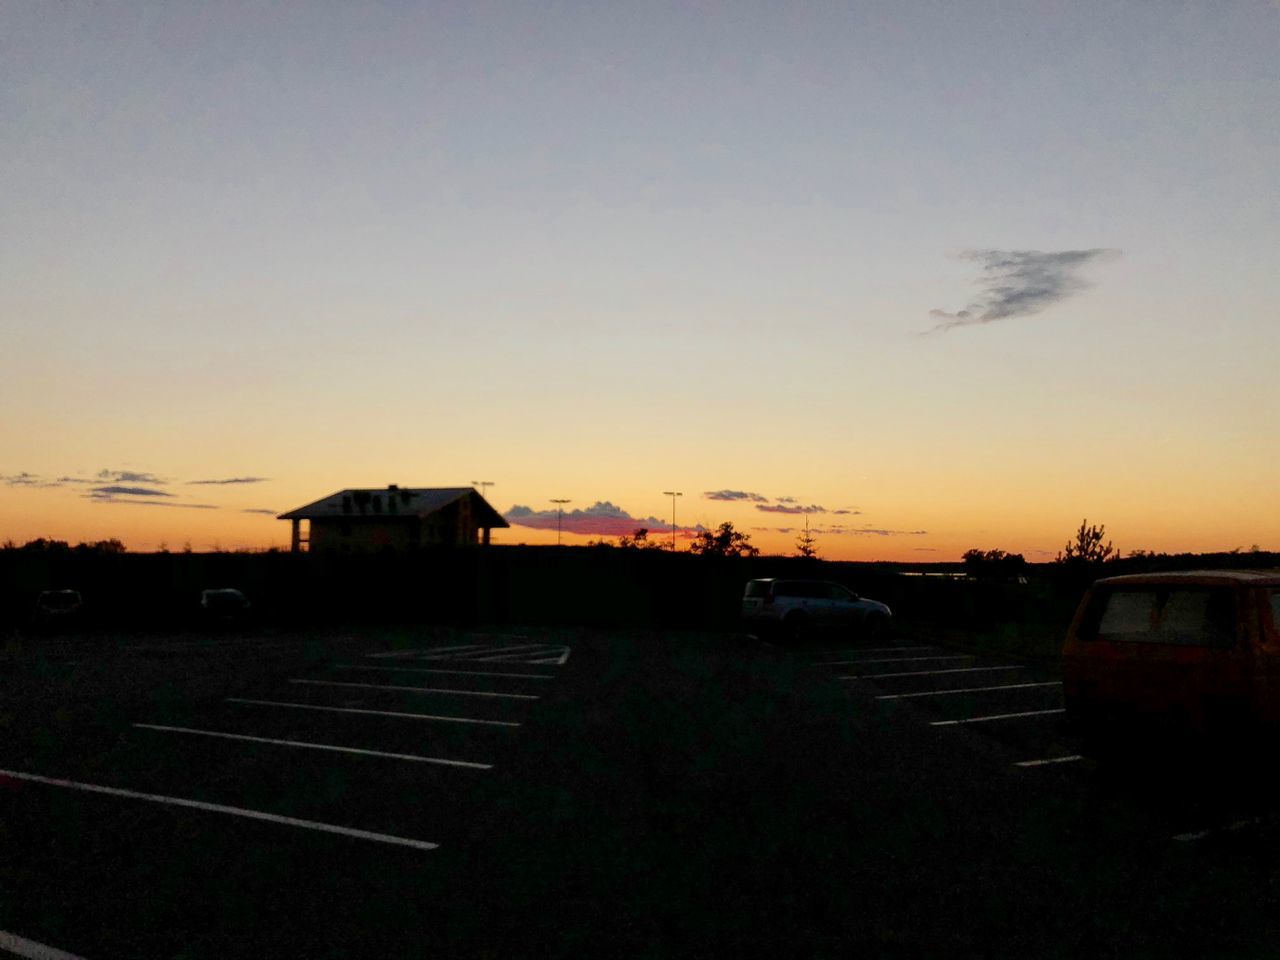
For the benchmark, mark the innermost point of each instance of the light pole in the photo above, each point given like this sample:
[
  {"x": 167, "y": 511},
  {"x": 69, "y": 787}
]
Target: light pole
[
  {"x": 559, "y": 514},
  {"x": 482, "y": 484},
  {"x": 673, "y": 494}
]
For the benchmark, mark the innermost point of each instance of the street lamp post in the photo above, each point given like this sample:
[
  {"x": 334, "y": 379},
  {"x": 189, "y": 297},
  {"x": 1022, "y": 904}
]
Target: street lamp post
[
  {"x": 673, "y": 494},
  {"x": 559, "y": 516}
]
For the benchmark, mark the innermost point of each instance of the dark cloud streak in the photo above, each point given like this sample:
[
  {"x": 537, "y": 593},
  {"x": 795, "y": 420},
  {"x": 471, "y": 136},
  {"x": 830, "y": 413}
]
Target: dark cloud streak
[{"x": 1019, "y": 283}]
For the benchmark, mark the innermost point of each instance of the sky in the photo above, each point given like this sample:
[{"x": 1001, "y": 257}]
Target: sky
[{"x": 932, "y": 276}]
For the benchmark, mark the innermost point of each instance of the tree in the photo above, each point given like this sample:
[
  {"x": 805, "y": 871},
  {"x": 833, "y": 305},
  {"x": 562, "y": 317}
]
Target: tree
[
  {"x": 994, "y": 564},
  {"x": 807, "y": 543},
  {"x": 640, "y": 541},
  {"x": 1088, "y": 548},
  {"x": 723, "y": 542}
]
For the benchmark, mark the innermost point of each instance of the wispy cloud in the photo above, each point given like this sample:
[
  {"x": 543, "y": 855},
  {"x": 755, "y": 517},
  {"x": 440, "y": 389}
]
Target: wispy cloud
[
  {"x": 261, "y": 510},
  {"x": 136, "y": 502},
  {"x": 785, "y": 499},
  {"x": 127, "y": 476},
  {"x": 25, "y": 479},
  {"x": 119, "y": 491},
  {"x": 789, "y": 507},
  {"x": 849, "y": 511},
  {"x": 1019, "y": 283},
  {"x": 601, "y": 519},
  {"x": 735, "y": 495},
  {"x": 228, "y": 480}
]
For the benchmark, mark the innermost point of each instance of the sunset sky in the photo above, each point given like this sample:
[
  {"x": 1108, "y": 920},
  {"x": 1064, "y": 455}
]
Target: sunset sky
[{"x": 934, "y": 275}]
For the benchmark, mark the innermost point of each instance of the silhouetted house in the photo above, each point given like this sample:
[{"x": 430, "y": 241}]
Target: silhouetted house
[{"x": 394, "y": 518}]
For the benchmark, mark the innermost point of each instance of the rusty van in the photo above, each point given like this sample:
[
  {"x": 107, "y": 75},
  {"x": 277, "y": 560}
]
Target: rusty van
[{"x": 1194, "y": 654}]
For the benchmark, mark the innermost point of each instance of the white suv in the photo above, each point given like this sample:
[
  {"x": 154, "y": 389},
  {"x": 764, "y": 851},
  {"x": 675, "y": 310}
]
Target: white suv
[{"x": 795, "y": 607}]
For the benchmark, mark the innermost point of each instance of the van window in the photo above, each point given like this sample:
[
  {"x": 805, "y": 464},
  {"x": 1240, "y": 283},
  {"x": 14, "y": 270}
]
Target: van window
[
  {"x": 1202, "y": 617},
  {"x": 758, "y": 588}
]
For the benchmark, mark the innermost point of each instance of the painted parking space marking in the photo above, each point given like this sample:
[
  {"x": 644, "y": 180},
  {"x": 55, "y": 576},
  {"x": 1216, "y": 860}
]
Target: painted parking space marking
[
  {"x": 839, "y": 663},
  {"x": 373, "y": 713},
  {"x": 996, "y": 716},
  {"x": 382, "y": 686},
  {"x": 534, "y": 653},
  {"x": 222, "y": 808},
  {"x": 1049, "y": 761},
  {"x": 414, "y": 653},
  {"x": 21, "y": 946},
  {"x": 460, "y": 673},
  {"x": 1212, "y": 831},
  {"x": 943, "y": 693},
  {"x": 927, "y": 673},
  {"x": 306, "y": 745},
  {"x": 953, "y": 656}
]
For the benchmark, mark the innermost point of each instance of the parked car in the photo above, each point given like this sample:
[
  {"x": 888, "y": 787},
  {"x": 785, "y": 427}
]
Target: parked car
[
  {"x": 57, "y": 607},
  {"x": 1171, "y": 654},
  {"x": 224, "y": 603},
  {"x": 792, "y": 609}
]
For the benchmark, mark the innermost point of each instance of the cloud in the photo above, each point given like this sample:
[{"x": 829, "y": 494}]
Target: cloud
[
  {"x": 876, "y": 532},
  {"x": 1019, "y": 283},
  {"x": 735, "y": 495},
  {"x": 264, "y": 512},
  {"x": 110, "y": 498},
  {"x": 601, "y": 518},
  {"x": 786, "y": 507},
  {"x": 785, "y": 499},
  {"x": 118, "y": 491},
  {"x": 127, "y": 476},
  {"x": 925, "y": 549},
  {"x": 229, "y": 480},
  {"x": 25, "y": 479},
  {"x": 846, "y": 512}
]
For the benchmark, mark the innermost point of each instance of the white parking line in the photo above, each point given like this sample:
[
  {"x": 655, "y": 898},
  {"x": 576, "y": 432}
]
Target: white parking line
[
  {"x": 415, "y": 653},
  {"x": 838, "y": 663},
  {"x": 926, "y": 673},
  {"x": 220, "y": 808},
  {"x": 995, "y": 716},
  {"x": 12, "y": 943},
  {"x": 943, "y": 693},
  {"x": 464, "y": 673},
  {"x": 373, "y": 713},
  {"x": 1228, "y": 828},
  {"x": 381, "y": 686},
  {"x": 916, "y": 659},
  {"x": 305, "y": 745},
  {"x": 499, "y": 648},
  {"x": 1044, "y": 763}
]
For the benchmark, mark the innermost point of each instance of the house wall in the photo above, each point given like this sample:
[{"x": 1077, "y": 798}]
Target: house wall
[{"x": 447, "y": 527}]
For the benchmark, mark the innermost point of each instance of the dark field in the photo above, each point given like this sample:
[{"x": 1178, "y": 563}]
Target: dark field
[{"x": 657, "y": 793}]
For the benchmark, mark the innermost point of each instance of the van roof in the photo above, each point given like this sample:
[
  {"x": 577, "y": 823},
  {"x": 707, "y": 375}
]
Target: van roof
[{"x": 1258, "y": 578}]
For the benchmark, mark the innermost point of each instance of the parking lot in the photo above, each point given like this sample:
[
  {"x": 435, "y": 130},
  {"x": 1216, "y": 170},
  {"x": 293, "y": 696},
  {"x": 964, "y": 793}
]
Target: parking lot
[{"x": 555, "y": 792}]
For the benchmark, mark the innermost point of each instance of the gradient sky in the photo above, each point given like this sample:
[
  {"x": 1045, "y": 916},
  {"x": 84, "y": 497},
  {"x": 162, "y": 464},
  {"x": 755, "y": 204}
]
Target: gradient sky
[{"x": 597, "y": 251}]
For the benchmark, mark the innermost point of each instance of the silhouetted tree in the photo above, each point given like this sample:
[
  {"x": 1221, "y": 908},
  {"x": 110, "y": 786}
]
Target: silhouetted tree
[
  {"x": 807, "y": 543},
  {"x": 1087, "y": 548},
  {"x": 994, "y": 564},
  {"x": 640, "y": 541},
  {"x": 723, "y": 542}
]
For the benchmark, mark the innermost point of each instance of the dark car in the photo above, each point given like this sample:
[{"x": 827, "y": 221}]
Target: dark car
[
  {"x": 791, "y": 609},
  {"x": 224, "y": 603},
  {"x": 55, "y": 608}
]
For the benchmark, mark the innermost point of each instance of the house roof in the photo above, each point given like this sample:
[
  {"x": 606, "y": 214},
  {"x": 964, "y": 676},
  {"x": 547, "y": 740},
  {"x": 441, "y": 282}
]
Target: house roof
[{"x": 386, "y": 502}]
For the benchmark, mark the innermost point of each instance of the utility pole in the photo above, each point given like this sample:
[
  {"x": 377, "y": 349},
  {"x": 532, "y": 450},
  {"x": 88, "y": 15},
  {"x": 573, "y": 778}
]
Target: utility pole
[
  {"x": 559, "y": 517},
  {"x": 483, "y": 485},
  {"x": 673, "y": 494}
]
